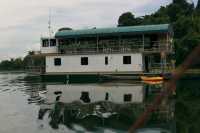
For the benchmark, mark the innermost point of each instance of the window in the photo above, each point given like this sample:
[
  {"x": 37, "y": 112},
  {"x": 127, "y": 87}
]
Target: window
[
  {"x": 57, "y": 61},
  {"x": 45, "y": 43},
  {"x": 127, "y": 98},
  {"x": 84, "y": 60},
  {"x": 53, "y": 43},
  {"x": 126, "y": 59},
  {"x": 106, "y": 60}
]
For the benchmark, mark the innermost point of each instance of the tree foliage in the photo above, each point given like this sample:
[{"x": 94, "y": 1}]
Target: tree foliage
[
  {"x": 12, "y": 64},
  {"x": 21, "y": 63},
  {"x": 128, "y": 19},
  {"x": 198, "y": 5}
]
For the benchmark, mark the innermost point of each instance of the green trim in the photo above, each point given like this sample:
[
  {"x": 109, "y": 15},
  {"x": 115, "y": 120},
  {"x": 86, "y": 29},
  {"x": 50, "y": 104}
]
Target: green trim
[
  {"x": 74, "y": 78},
  {"x": 90, "y": 78}
]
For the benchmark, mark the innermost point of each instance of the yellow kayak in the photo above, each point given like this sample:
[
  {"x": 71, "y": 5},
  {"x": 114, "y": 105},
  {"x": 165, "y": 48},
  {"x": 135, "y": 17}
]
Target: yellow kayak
[
  {"x": 153, "y": 82},
  {"x": 158, "y": 78}
]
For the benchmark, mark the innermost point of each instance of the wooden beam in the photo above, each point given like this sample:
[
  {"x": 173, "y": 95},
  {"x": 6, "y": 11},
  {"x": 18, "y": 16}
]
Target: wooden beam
[
  {"x": 143, "y": 41},
  {"x": 97, "y": 43}
]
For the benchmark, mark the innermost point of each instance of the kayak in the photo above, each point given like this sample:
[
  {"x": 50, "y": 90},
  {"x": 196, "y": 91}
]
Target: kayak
[
  {"x": 158, "y": 78},
  {"x": 153, "y": 82}
]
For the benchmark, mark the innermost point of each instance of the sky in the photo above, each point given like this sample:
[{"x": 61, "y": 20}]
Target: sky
[{"x": 23, "y": 22}]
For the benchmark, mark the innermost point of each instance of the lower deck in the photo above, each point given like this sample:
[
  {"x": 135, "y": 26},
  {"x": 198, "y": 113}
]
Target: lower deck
[{"x": 100, "y": 67}]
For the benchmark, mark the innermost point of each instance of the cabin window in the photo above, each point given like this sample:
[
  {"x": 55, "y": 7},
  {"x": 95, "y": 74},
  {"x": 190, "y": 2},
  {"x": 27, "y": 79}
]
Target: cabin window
[
  {"x": 106, "y": 60},
  {"x": 126, "y": 59},
  {"x": 53, "y": 43},
  {"x": 84, "y": 60},
  {"x": 57, "y": 61},
  {"x": 45, "y": 43},
  {"x": 127, "y": 97}
]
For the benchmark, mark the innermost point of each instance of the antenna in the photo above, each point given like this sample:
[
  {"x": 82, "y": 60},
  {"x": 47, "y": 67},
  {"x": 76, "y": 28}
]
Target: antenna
[
  {"x": 49, "y": 23},
  {"x": 49, "y": 27}
]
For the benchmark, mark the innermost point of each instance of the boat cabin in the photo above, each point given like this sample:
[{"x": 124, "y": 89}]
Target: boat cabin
[{"x": 119, "y": 50}]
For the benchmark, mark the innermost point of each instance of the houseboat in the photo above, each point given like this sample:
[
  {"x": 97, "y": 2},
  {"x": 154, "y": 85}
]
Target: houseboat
[{"x": 106, "y": 52}]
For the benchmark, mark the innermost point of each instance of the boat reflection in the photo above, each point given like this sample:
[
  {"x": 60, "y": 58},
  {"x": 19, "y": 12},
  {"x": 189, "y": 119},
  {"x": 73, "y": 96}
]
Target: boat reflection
[{"x": 95, "y": 107}]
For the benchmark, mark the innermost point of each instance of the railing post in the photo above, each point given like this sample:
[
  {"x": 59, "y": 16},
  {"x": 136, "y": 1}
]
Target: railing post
[
  {"x": 97, "y": 44},
  {"x": 143, "y": 41},
  {"x": 119, "y": 42}
]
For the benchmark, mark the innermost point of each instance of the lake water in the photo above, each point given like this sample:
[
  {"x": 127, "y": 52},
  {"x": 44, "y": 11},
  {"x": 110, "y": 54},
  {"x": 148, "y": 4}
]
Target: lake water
[{"x": 29, "y": 106}]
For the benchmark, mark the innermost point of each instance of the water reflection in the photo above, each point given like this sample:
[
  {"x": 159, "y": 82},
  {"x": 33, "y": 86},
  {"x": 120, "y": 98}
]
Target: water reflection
[{"x": 102, "y": 107}]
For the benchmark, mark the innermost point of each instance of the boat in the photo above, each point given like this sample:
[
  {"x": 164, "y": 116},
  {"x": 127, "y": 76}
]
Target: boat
[
  {"x": 84, "y": 55},
  {"x": 153, "y": 82},
  {"x": 157, "y": 78}
]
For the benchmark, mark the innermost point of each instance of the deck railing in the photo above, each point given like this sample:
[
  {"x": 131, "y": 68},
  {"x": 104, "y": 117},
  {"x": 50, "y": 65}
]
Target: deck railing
[
  {"x": 159, "y": 67},
  {"x": 136, "y": 47}
]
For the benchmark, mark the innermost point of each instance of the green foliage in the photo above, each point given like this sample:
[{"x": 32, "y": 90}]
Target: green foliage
[
  {"x": 128, "y": 19},
  {"x": 185, "y": 45},
  {"x": 187, "y": 107},
  {"x": 198, "y": 7},
  {"x": 21, "y": 63},
  {"x": 12, "y": 64}
]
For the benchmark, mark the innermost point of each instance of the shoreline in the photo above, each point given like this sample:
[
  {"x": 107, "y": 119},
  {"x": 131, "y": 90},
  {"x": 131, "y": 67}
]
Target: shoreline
[{"x": 12, "y": 71}]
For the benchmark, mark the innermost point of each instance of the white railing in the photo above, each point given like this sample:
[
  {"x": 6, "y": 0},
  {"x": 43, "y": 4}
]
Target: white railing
[
  {"x": 159, "y": 67},
  {"x": 115, "y": 49}
]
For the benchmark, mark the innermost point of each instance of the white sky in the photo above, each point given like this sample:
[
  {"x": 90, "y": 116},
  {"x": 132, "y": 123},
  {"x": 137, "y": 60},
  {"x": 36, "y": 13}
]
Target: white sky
[{"x": 24, "y": 21}]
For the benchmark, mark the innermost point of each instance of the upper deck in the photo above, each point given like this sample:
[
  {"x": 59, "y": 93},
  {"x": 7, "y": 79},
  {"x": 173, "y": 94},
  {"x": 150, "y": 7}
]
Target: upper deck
[{"x": 146, "y": 38}]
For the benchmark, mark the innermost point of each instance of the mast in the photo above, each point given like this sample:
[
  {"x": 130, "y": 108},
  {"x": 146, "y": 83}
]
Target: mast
[{"x": 49, "y": 27}]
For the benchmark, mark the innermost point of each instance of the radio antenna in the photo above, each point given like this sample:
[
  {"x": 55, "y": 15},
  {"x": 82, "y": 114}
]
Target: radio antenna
[{"x": 49, "y": 26}]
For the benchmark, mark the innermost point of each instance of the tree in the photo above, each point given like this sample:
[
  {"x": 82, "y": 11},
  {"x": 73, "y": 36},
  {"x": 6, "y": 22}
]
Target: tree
[
  {"x": 12, "y": 64},
  {"x": 127, "y": 19},
  {"x": 179, "y": 8},
  {"x": 179, "y": 27},
  {"x": 182, "y": 3},
  {"x": 198, "y": 7}
]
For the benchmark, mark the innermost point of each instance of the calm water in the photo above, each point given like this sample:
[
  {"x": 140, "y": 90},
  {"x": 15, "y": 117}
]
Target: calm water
[{"x": 29, "y": 106}]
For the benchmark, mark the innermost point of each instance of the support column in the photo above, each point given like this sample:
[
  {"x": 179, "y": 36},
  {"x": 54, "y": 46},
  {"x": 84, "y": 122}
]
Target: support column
[
  {"x": 143, "y": 41},
  {"x": 163, "y": 61},
  {"x": 119, "y": 42},
  {"x": 97, "y": 49},
  {"x": 75, "y": 41},
  {"x": 57, "y": 45},
  {"x": 167, "y": 44}
]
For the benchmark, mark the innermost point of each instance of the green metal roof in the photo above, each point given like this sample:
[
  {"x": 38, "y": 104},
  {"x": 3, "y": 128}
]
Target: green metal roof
[{"x": 161, "y": 28}]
